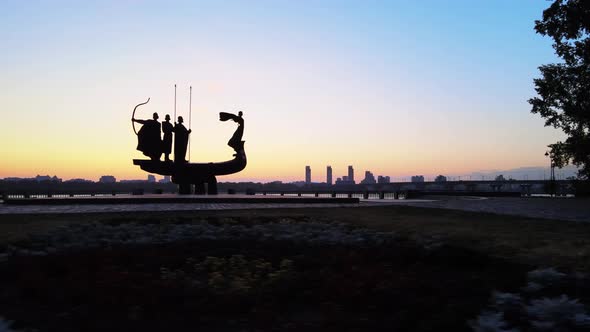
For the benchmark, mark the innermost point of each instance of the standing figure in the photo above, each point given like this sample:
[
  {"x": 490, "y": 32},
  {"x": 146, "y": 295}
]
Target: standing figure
[
  {"x": 149, "y": 140},
  {"x": 180, "y": 141},
  {"x": 236, "y": 140},
  {"x": 167, "y": 129}
]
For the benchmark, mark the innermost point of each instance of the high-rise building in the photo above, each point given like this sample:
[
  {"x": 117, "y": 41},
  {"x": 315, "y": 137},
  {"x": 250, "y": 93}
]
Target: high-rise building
[
  {"x": 307, "y": 174},
  {"x": 151, "y": 178},
  {"x": 329, "y": 175},
  {"x": 350, "y": 174},
  {"x": 369, "y": 178}
]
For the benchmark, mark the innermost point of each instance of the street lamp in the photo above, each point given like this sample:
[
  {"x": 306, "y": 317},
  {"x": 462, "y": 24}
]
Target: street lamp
[{"x": 552, "y": 176}]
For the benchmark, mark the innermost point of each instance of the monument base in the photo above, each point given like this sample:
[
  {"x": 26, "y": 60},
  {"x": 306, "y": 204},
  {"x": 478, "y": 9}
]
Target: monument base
[{"x": 194, "y": 178}]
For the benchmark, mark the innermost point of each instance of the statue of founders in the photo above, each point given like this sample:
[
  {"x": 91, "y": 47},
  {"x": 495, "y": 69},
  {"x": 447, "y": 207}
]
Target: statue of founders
[
  {"x": 235, "y": 141},
  {"x": 149, "y": 140},
  {"x": 190, "y": 177}
]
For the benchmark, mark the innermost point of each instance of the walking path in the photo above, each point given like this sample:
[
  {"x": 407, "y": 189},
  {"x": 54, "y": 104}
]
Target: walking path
[
  {"x": 42, "y": 209},
  {"x": 545, "y": 208}
]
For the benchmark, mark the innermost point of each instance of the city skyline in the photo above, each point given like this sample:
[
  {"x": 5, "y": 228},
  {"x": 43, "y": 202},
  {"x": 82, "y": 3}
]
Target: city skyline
[
  {"x": 395, "y": 87},
  {"x": 522, "y": 173}
]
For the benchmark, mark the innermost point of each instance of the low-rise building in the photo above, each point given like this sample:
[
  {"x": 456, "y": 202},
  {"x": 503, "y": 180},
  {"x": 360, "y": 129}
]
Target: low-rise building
[
  {"x": 107, "y": 179},
  {"x": 383, "y": 179},
  {"x": 440, "y": 178},
  {"x": 417, "y": 178}
]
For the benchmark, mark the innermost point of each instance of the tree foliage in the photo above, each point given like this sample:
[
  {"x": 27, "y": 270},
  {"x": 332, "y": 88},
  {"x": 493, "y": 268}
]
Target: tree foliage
[{"x": 564, "y": 88}]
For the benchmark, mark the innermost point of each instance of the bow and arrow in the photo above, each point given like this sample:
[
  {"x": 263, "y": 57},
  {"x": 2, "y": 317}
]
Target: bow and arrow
[{"x": 133, "y": 115}]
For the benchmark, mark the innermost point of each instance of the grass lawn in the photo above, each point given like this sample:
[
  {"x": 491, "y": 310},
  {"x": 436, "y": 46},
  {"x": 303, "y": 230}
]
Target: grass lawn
[{"x": 537, "y": 242}]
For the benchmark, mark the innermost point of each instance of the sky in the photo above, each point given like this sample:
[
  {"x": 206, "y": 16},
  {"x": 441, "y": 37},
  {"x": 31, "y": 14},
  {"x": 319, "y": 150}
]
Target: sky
[{"x": 395, "y": 87}]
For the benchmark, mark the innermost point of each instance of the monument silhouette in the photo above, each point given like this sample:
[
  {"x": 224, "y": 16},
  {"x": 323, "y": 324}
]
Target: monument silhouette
[{"x": 185, "y": 174}]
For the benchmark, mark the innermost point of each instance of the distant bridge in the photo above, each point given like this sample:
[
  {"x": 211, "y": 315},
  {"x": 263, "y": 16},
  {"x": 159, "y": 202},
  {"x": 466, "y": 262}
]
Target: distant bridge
[{"x": 508, "y": 187}]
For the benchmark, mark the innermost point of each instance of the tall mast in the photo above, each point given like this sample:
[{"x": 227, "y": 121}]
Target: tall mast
[{"x": 190, "y": 104}]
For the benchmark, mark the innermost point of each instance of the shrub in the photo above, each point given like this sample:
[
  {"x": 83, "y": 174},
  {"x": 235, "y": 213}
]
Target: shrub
[{"x": 233, "y": 275}]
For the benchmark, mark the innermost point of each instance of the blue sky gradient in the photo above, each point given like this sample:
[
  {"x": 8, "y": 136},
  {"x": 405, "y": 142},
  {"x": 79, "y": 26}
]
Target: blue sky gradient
[{"x": 396, "y": 87}]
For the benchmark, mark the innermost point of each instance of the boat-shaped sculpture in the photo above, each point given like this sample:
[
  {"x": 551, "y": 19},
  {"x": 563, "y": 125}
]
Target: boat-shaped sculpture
[
  {"x": 187, "y": 174},
  {"x": 197, "y": 174}
]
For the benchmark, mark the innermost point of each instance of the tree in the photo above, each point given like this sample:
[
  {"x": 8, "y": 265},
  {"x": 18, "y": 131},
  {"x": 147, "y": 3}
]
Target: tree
[{"x": 564, "y": 88}]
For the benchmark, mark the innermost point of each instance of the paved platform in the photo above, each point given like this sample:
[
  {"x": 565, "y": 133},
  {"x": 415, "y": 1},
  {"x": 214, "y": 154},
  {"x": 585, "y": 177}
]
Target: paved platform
[{"x": 180, "y": 199}]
